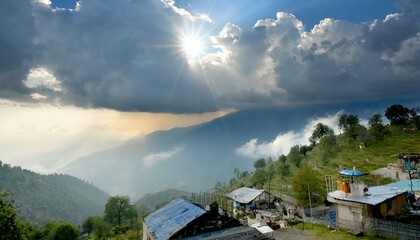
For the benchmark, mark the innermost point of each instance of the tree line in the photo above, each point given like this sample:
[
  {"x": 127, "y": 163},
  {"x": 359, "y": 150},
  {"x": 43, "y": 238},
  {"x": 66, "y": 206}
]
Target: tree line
[
  {"x": 120, "y": 219},
  {"x": 301, "y": 166}
]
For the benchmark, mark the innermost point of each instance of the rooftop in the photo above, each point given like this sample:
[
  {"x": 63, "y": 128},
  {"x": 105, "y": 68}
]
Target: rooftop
[
  {"x": 245, "y": 195},
  {"x": 405, "y": 185},
  {"x": 378, "y": 194},
  {"x": 239, "y": 233},
  {"x": 172, "y": 217}
]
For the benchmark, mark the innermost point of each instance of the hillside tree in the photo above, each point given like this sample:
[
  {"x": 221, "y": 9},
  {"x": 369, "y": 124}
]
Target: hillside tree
[
  {"x": 415, "y": 117},
  {"x": 10, "y": 226},
  {"x": 397, "y": 114},
  {"x": 260, "y": 163},
  {"x": 307, "y": 186},
  {"x": 350, "y": 125},
  {"x": 321, "y": 130},
  {"x": 377, "y": 129},
  {"x": 119, "y": 212},
  {"x": 294, "y": 155}
]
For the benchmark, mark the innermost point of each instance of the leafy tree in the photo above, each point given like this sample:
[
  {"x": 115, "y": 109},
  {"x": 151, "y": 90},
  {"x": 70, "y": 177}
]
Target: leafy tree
[
  {"x": 260, "y": 163},
  {"x": 90, "y": 224},
  {"x": 244, "y": 174},
  {"x": 415, "y": 117},
  {"x": 259, "y": 177},
  {"x": 119, "y": 211},
  {"x": 377, "y": 130},
  {"x": 102, "y": 230},
  {"x": 54, "y": 230},
  {"x": 306, "y": 185},
  {"x": 349, "y": 124},
  {"x": 66, "y": 231},
  {"x": 304, "y": 149},
  {"x": 294, "y": 155},
  {"x": 397, "y": 114},
  {"x": 362, "y": 135},
  {"x": 319, "y": 132},
  {"x": 282, "y": 158},
  {"x": 325, "y": 147},
  {"x": 284, "y": 170},
  {"x": 10, "y": 227}
]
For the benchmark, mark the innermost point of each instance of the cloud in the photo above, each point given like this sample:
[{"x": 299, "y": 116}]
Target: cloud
[
  {"x": 17, "y": 29},
  {"x": 128, "y": 56},
  {"x": 284, "y": 141},
  {"x": 154, "y": 158}
]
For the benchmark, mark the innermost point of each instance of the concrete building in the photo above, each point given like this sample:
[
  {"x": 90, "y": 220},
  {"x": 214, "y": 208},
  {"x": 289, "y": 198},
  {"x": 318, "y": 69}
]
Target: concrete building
[{"x": 356, "y": 205}]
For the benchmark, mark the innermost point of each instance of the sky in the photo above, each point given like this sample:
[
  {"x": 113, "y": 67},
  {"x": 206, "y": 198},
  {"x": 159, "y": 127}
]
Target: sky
[{"x": 109, "y": 70}]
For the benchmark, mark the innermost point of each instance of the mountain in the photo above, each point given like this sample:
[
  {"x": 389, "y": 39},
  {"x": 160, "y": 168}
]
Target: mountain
[
  {"x": 154, "y": 201},
  {"x": 41, "y": 198},
  {"x": 195, "y": 158}
]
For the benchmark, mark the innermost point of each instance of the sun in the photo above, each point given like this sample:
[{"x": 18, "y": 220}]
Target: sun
[{"x": 192, "y": 47}]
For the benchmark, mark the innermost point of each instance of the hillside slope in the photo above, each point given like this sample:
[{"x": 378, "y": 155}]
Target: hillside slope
[
  {"x": 346, "y": 153},
  {"x": 41, "y": 198},
  {"x": 195, "y": 158},
  {"x": 192, "y": 158}
]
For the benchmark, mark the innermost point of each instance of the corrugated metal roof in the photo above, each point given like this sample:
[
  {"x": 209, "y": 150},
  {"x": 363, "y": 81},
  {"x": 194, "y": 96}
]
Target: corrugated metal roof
[
  {"x": 238, "y": 233},
  {"x": 245, "y": 195},
  {"x": 405, "y": 185},
  {"x": 172, "y": 217},
  {"x": 378, "y": 194}
]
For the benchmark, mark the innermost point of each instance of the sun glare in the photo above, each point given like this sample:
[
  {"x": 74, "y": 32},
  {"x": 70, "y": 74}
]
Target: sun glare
[{"x": 192, "y": 47}]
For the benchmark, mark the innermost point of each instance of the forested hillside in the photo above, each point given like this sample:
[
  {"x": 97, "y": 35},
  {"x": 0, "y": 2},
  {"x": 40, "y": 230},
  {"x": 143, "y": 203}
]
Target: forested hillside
[
  {"x": 41, "y": 198},
  {"x": 364, "y": 148},
  {"x": 154, "y": 201}
]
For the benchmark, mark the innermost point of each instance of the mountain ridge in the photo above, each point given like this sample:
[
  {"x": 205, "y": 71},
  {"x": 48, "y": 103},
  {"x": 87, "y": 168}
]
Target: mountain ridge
[
  {"x": 194, "y": 158},
  {"x": 41, "y": 198}
]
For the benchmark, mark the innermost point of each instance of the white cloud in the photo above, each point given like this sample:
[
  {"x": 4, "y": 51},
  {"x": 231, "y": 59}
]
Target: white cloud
[
  {"x": 284, "y": 141},
  {"x": 153, "y": 158},
  {"x": 41, "y": 78},
  {"x": 133, "y": 61}
]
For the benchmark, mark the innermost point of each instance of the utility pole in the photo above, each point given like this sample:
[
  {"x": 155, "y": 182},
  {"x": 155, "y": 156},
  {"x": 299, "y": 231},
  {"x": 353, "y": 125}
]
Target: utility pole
[{"x": 310, "y": 202}]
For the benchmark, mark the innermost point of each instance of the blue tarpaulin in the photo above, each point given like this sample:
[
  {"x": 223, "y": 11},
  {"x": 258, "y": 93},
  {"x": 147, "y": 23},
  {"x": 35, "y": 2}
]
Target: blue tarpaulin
[{"x": 348, "y": 172}]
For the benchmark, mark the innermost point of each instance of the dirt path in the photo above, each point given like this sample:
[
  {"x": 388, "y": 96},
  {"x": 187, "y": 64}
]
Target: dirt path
[{"x": 294, "y": 234}]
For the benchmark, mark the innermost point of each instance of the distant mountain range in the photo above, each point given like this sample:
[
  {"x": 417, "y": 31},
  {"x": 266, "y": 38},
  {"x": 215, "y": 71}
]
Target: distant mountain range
[
  {"x": 195, "y": 158},
  {"x": 41, "y": 198}
]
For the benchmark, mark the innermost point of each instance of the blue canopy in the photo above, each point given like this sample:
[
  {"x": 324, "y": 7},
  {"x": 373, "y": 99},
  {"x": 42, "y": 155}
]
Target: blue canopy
[{"x": 348, "y": 172}]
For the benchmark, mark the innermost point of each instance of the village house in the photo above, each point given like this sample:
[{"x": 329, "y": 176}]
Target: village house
[
  {"x": 250, "y": 198},
  {"x": 182, "y": 219},
  {"x": 357, "y": 204},
  {"x": 407, "y": 166}
]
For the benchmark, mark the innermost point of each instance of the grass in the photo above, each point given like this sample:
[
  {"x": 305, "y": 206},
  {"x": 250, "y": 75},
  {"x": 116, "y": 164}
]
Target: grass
[
  {"x": 346, "y": 154},
  {"x": 316, "y": 231}
]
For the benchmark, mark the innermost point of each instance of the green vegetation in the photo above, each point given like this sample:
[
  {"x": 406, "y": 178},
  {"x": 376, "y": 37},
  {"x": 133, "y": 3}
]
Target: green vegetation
[
  {"x": 154, "y": 201},
  {"x": 121, "y": 220},
  {"x": 317, "y": 231},
  {"x": 356, "y": 146},
  {"x": 42, "y": 198},
  {"x": 12, "y": 228},
  {"x": 120, "y": 213}
]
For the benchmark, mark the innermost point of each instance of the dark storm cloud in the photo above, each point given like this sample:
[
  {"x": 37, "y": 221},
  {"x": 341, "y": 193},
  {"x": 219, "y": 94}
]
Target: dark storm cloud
[
  {"x": 126, "y": 55},
  {"x": 121, "y": 55},
  {"x": 17, "y": 29}
]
